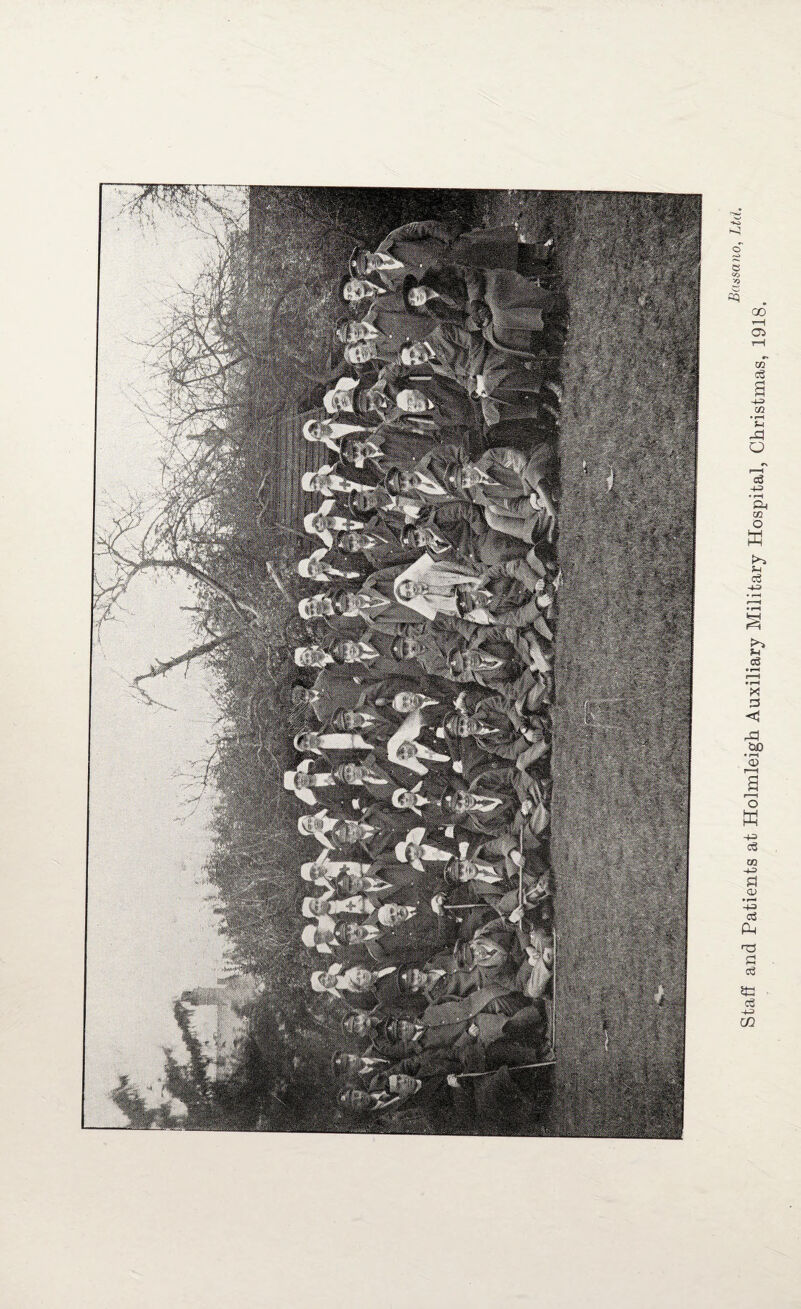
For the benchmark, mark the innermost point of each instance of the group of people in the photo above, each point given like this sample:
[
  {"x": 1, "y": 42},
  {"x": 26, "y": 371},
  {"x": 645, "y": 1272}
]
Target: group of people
[{"x": 424, "y": 715}]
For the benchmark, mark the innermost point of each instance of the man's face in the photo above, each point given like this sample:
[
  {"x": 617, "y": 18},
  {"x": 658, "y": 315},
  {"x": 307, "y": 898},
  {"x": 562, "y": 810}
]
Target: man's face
[
  {"x": 471, "y": 659},
  {"x": 353, "y": 933},
  {"x": 350, "y": 830},
  {"x": 411, "y": 402},
  {"x": 464, "y": 725},
  {"x": 361, "y": 977},
  {"x": 417, "y": 296},
  {"x": 354, "y": 332},
  {"x": 349, "y": 542},
  {"x": 465, "y": 870},
  {"x": 351, "y": 651},
  {"x": 353, "y": 1099},
  {"x": 350, "y": 720},
  {"x": 390, "y": 915},
  {"x": 415, "y": 354},
  {"x": 355, "y": 289},
  {"x": 305, "y": 657},
  {"x": 399, "y": 1029},
  {"x": 415, "y": 980},
  {"x": 357, "y": 1024},
  {"x": 350, "y": 603},
  {"x": 402, "y": 1084},
  {"x": 360, "y": 353},
  {"x": 409, "y": 588},
  {"x": 470, "y": 476},
  {"x": 410, "y": 647},
  {"x": 462, "y": 802},
  {"x": 352, "y": 774},
  {"x": 406, "y": 701}
]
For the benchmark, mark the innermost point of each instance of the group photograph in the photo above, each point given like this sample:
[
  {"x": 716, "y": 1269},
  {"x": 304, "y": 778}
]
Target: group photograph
[{"x": 392, "y": 636}]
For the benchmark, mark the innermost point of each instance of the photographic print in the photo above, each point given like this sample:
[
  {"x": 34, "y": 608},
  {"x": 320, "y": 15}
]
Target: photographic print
[{"x": 392, "y": 660}]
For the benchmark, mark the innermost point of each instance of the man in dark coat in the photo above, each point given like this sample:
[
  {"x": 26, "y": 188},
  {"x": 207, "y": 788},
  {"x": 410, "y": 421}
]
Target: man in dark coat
[
  {"x": 391, "y": 445},
  {"x": 488, "y": 804},
  {"x": 462, "y": 535},
  {"x": 429, "y": 648},
  {"x": 375, "y": 603},
  {"x": 380, "y": 544},
  {"x": 372, "y": 722},
  {"x": 409, "y": 935},
  {"x": 388, "y": 323},
  {"x": 333, "y": 688},
  {"x": 369, "y": 779},
  {"x": 415, "y": 247},
  {"x": 433, "y": 401}
]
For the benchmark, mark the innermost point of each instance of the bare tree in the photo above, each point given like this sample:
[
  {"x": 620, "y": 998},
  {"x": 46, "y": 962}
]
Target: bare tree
[{"x": 163, "y": 540}]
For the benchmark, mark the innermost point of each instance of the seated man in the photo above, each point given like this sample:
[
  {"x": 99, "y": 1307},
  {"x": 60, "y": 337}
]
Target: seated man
[
  {"x": 488, "y": 805},
  {"x": 374, "y": 603},
  {"x": 379, "y": 544},
  {"x": 387, "y": 323},
  {"x": 416, "y": 247},
  {"x": 513, "y": 382},
  {"x": 436, "y": 403},
  {"x": 397, "y": 934},
  {"x": 491, "y": 725},
  {"x": 386, "y": 1091},
  {"x": 488, "y": 659},
  {"x": 488, "y": 1028},
  {"x": 508, "y": 484}
]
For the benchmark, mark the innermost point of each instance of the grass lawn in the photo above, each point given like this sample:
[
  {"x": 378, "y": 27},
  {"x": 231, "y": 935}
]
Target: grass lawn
[{"x": 620, "y": 801}]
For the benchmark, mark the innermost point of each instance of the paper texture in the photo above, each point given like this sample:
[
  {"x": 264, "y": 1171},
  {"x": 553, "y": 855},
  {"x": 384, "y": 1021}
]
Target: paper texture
[{"x": 628, "y": 96}]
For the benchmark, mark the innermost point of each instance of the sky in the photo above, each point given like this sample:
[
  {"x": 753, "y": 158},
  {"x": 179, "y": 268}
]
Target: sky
[{"x": 151, "y": 931}]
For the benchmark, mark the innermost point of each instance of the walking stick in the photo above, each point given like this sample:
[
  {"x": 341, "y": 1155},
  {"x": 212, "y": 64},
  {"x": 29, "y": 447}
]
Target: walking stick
[
  {"x": 453, "y": 1078},
  {"x": 520, "y": 872}
]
